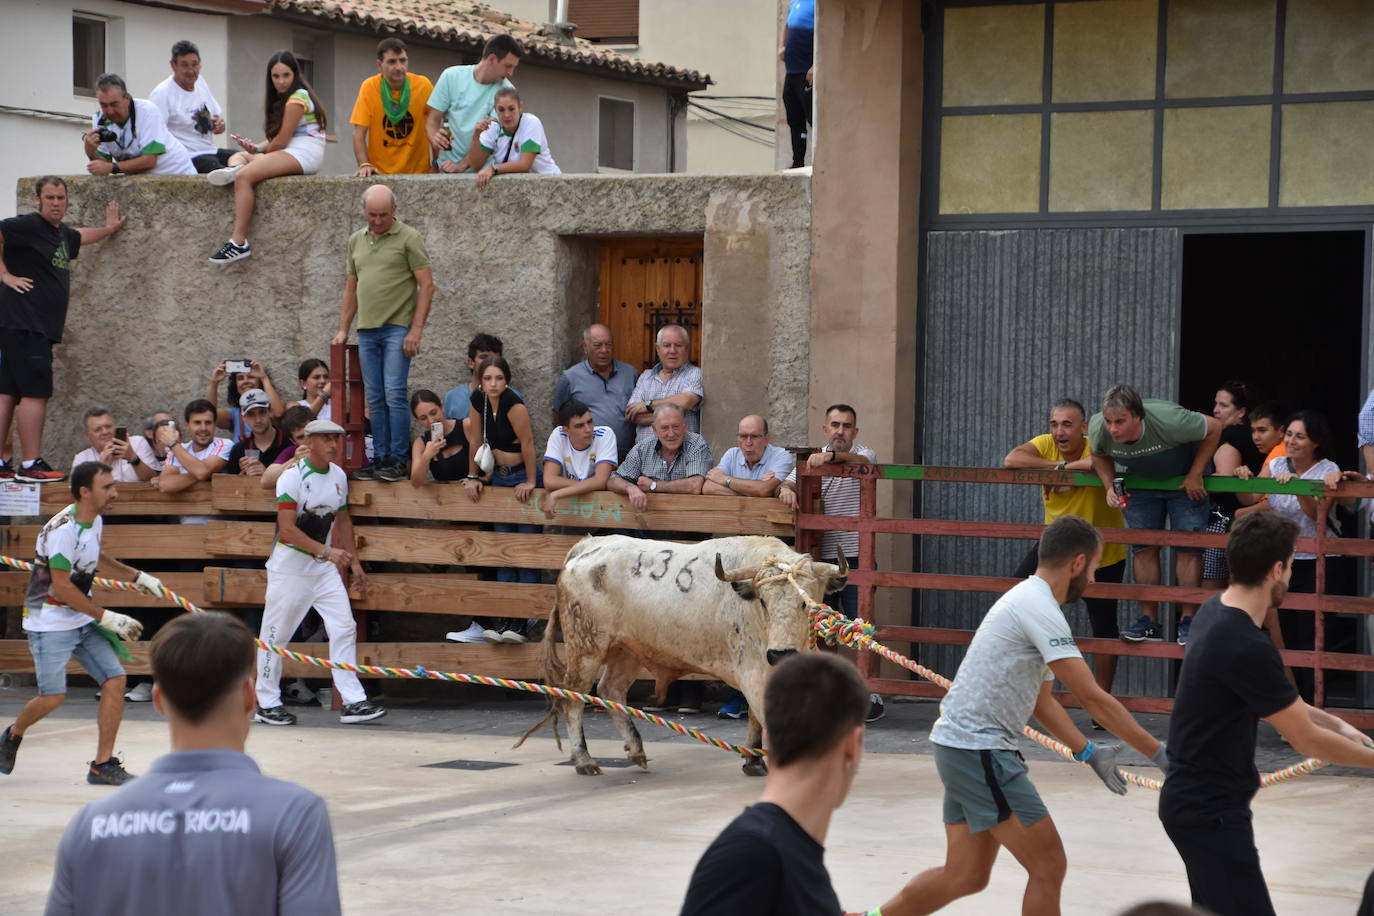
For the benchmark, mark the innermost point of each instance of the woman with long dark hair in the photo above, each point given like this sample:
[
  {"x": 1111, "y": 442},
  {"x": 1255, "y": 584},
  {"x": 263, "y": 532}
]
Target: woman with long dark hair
[{"x": 294, "y": 124}]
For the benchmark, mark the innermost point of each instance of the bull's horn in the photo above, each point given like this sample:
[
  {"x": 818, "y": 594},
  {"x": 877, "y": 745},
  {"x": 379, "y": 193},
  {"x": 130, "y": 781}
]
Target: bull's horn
[
  {"x": 841, "y": 562},
  {"x": 734, "y": 575}
]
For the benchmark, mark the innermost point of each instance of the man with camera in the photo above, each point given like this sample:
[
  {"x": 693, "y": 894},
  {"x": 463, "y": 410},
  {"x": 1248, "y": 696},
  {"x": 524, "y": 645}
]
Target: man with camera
[
  {"x": 262, "y": 443},
  {"x": 129, "y": 136},
  {"x": 111, "y": 445},
  {"x": 36, "y": 251},
  {"x": 193, "y": 113}
]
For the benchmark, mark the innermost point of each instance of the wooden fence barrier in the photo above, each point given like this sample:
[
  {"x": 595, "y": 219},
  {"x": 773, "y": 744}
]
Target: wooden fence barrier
[{"x": 396, "y": 523}]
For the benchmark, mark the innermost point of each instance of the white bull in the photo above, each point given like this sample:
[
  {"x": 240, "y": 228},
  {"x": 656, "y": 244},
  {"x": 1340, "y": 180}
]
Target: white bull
[{"x": 723, "y": 607}]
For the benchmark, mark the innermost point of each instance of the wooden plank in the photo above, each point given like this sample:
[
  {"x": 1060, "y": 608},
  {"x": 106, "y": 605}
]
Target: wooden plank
[
  {"x": 396, "y": 544},
  {"x": 139, "y": 542},
  {"x": 424, "y": 594},
  {"x": 14, "y": 585},
  {"x": 138, "y": 499},
  {"x": 446, "y": 501}
]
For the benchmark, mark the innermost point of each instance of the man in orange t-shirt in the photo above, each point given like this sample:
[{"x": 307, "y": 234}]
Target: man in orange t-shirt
[{"x": 389, "y": 117}]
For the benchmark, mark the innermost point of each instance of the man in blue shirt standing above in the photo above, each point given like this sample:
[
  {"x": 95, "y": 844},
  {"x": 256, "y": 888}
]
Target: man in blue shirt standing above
[
  {"x": 797, "y": 53},
  {"x": 603, "y": 383},
  {"x": 460, "y": 107}
]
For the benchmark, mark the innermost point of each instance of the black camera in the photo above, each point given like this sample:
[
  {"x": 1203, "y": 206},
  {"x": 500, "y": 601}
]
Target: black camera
[{"x": 106, "y": 135}]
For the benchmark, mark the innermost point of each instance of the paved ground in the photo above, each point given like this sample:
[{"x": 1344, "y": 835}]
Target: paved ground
[{"x": 531, "y": 837}]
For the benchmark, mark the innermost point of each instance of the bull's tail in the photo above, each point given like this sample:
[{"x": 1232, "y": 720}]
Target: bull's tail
[{"x": 554, "y": 673}]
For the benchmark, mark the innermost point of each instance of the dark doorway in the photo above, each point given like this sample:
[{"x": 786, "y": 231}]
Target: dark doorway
[{"x": 1282, "y": 312}]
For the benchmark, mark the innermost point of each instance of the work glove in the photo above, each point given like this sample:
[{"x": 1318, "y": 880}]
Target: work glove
[
  {"x": 125, "y": 626},
  {"x": 1161, "y": 760},
  {"x": 150, "y": 584},
  {"x": 1102, "y": 758}
]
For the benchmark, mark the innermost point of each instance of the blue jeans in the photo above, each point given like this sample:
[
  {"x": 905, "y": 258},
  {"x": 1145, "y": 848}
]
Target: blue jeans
[
  {"x": 52, "y": 649},
  {"x": 514, "y": 573},
  {"x": 386, "y": 373},
  {"x": 1150, "y": 509}
]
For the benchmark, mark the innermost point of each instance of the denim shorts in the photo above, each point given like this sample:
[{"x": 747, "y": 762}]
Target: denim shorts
[
  {"x": 53, "y": 649},
  {"x": 1150, "y": 509},
  {"x": 984, "y": 788}
]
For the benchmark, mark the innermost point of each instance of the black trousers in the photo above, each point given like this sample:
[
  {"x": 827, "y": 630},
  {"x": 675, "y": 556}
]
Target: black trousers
[
  {"x": 1300, "y": 627},
  {"x": 1223, "y": 866},
  {"x": 796, "y": 102}
]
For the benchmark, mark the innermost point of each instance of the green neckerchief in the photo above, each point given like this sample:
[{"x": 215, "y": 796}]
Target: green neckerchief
[{"x": 395, "y": 110}]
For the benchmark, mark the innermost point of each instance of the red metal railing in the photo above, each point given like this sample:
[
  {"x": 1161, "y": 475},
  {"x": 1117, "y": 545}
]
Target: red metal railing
[
  {"x": 868, "y": 578},
  {"x": 347, "y": 397}
]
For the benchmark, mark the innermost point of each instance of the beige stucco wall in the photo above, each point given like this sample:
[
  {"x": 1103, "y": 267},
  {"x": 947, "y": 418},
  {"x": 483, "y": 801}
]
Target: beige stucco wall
[{"x": 150, "y": 316}]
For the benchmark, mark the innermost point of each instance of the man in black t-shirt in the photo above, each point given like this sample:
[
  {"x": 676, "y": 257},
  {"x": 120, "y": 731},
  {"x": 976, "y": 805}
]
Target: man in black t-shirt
[
  {"x": 771, "y": 859},
  {"x": 262, "y": 436},
  {"x": 1232, "y": 677},
  {"x": 36, "y": 251}
]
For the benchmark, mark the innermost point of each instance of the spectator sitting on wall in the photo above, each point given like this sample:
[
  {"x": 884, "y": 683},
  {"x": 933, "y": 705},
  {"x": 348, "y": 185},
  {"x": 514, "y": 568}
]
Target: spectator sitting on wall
[
  {"x": 295, "y": 128},
  {"x": 121, "y": 455},
  {"x": 231, "y": 418},
  {"x": 514, "y": 143},
  {"x": 293, "y": 423},
  {"x": 33, "y": 312},
  {"x": 261, "y": 444},
  {"x": 442, "y": 457},
  {"x": 840, "y": 497},
  {"x": 129, "y": 136},
  {"x": 204, "y": 456},
  {"x": 603, "y": 383},
  {"x": 673, "y": 380},
  {"x": 754, "y": 467},
  {"x": 313, "y": 375},
  {"x": 193, "y": 114},
  {"x": 579, "y": 457},
  {"x": 155, "y": 454},
  {"x": 389, "y": 286},
  {"x": 1065, "y": 448},
  {"x": 389, "y": 115},
  {"x": 460, "y": 107},
  {"x": 1156, "y": 439},
  {"x": 458, "y": 400}
]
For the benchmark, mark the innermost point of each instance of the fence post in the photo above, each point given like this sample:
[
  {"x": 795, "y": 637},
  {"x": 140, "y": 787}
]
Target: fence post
[
  {"x": 347, "y": 397},
  {"x": 868, "y": 510},
  {"x": 1319, "y": 638}
]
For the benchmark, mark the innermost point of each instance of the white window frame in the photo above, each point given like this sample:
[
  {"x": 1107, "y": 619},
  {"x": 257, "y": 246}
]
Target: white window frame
[{"x": 634, "y": 137}]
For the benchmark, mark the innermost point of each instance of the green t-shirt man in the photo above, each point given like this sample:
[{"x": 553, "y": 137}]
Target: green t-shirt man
[
  {"x": 385, "y": 268},
  {"x": 1169, "y": 438}
]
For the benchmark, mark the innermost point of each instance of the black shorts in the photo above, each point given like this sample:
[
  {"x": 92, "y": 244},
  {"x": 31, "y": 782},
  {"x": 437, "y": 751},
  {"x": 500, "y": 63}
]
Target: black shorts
[
  {"x": 208, "y": 162},
  {"x": 25, "y": 364}
]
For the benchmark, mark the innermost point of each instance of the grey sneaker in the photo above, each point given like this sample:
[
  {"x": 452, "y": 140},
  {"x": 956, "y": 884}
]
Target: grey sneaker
[
  {"x": 361, "y": 711},
  {"x": 367, "y": 472},
  {"x": 9, "y": 749},
  {"x": 277, "y": 715},
  {"x": 392, "y": 471},
  {"x": 109, "y": 773}
]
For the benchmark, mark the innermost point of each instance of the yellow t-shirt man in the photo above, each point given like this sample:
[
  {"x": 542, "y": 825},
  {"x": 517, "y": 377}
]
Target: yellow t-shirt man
[
  {"x": 1088, "y": 503},
  {"x": 395, "y": 149}
]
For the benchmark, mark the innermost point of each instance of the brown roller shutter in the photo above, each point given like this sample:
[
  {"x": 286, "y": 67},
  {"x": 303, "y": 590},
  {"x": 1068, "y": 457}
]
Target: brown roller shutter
[{"x": 608, "y": 21}]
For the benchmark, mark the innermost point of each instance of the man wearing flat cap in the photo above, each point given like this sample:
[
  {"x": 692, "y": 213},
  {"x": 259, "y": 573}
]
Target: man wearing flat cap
[{"x": 313, "y": 560}]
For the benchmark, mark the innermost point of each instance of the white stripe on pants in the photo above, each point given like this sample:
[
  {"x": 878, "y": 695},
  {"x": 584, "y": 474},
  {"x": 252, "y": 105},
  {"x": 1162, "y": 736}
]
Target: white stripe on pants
[{"x": 289, "y": 598}]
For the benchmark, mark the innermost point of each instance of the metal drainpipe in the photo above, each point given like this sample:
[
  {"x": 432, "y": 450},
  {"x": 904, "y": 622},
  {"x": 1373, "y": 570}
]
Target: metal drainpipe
[{"x": 561, "y": 13}]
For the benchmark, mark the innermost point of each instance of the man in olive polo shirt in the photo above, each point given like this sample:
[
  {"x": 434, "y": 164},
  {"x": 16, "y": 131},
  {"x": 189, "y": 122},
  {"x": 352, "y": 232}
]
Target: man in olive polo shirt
[{"x": 389, "y": 287}]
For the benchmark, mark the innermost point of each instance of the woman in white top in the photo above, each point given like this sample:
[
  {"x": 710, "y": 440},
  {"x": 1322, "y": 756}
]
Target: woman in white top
[
  {"x": 513, "y": 143},
  {"x": 314, "y": 378},
  {"x": 295, "y": 125}
]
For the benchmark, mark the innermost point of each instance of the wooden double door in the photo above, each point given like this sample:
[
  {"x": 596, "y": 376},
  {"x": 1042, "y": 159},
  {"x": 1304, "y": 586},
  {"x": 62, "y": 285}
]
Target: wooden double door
[{"x": 646, "y": 284}]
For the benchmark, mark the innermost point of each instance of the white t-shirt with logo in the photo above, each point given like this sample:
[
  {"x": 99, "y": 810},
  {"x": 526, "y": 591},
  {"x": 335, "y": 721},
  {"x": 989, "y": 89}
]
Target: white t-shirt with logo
[
  {"x": 317, "y": 496},
  {"x": 218, "y": 448},
  {"x": 64, "y": 543},
  {"x": 999, "y": 680},
  {"x": 529, "y": 137},
  {"x": 145, "y": 133},
  {"x": 581, "y": 465},
  {"x": 181, "y": 106}
]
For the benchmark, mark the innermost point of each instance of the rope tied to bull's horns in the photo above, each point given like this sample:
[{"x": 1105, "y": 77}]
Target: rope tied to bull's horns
[{"x": 834, "y": 628}]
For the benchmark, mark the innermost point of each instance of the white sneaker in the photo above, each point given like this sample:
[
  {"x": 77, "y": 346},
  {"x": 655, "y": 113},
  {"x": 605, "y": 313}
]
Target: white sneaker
[
  {"x": 225, "y": 176},
  {"x": 492, "y": 636},
  {"x": 140, "y": 693},
  {"x": 512, "y": 638},
  {"x": 298, "y": 692},
  {"x": 474, "y": 633}
]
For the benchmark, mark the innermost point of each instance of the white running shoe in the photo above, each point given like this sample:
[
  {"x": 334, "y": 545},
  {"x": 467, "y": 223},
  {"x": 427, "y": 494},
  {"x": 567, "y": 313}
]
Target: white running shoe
[
  {"x": 473, "y": 633},
  {"x": 140, "y": 693},
  {"x": 222, "y": 177}
]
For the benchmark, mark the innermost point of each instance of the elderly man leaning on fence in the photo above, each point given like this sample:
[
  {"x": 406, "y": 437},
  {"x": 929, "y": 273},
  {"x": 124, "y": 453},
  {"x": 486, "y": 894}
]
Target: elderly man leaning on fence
[
  {"x": 672, "y": 380},
  {"x": 1156, "y": 439},
  {"x": 63, "y": 623},
  {"x": 755, "y": 467},
  {"x": 674, "y": 460},
  {"x": 1065, "y": 448}
]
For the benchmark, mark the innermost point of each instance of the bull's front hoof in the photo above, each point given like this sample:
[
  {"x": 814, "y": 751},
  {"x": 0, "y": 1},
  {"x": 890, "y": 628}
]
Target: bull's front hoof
[
  {"x": 588, "y": 769},
  {"x": 640, "y": 760},
  {"x": 755, "y": 767}
]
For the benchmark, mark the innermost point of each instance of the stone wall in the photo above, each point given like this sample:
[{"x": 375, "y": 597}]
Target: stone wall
[{"x": 150, "y": 316}]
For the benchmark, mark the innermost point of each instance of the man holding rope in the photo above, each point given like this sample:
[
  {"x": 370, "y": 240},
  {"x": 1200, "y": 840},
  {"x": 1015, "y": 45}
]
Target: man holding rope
[
  {"x": 1021, "y": 647},
  {"x": 62, "y": 622},
  {"x": 1232, "y": 677}
]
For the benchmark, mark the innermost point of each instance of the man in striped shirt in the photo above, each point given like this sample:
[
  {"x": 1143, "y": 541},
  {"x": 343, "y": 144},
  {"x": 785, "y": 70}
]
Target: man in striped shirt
[{"x": 839, "y": 496}]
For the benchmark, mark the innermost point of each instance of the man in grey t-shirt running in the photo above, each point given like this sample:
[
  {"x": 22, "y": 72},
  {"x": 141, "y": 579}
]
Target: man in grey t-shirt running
[
  {"x": 203, "y": 831},
  {"x": 1021, "y": 647}
]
